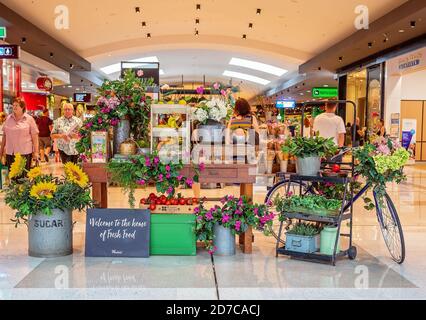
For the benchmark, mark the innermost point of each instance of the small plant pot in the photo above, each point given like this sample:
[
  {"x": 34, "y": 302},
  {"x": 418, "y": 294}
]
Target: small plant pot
[
  {"x": 224, "y": 241},
  {"x": 303, "y": 244},
  {"x": 283, "y": 165},
  {"x": 328, "y": 240},
  {"x": 309, "y": 166}
]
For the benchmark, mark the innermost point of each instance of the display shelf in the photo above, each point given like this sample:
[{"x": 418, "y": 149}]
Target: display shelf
[
  {"x": 315, "y": 218},
  {"x": 169, "y": 108},
  {"x": 168, "y": 132}
]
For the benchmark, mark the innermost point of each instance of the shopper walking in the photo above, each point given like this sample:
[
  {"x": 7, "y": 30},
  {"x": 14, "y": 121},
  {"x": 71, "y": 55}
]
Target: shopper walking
[
  {"x": 65, "y": 131},
  {"x": 20, "y": 135},
  {"x": 381, "y": 130},
  {"x": 330, "y": 125},
  {"x": 45, "y": 126}
]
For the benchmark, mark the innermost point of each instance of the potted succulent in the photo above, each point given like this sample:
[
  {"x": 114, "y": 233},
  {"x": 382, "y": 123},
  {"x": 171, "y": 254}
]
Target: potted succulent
[
  {"x": 308, "y": 152},
  {"x": 303, "y": 237},
  {"x": 218, "y": 226},
  {"x": 45, "y": 204}
]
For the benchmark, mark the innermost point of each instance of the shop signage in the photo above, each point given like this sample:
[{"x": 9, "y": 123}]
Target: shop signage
[
  {"x": 45, "y": 83},
  {"x": 408, "y": 140},
  {"x": 285, "y": 104},
  {"x": 9, "y": 51},
  {"x": 82, "y": 97},
  {"x": 3, "y": 32},
  {"x": 409, "y": 62},
  {"x": 118, "y": 233},
  {"x": 324, "y": 93}
]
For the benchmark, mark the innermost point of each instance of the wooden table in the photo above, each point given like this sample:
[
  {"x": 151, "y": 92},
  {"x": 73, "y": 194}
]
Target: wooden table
[{"x": 242, "y": 174}]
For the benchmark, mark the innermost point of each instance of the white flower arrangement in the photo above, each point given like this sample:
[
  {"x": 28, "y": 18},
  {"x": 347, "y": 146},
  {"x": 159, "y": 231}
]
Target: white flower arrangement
[{"x": 216, "y": 109}]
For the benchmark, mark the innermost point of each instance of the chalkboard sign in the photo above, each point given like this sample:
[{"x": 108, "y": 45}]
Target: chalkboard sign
[{"x": 118, "y": 233}]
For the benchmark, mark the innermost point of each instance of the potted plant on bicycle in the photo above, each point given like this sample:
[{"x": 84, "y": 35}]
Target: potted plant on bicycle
[
  {"x": 308, "y": 152},
  {"x": 218, "y": 226},
  {"x": 45, "y": 204}
]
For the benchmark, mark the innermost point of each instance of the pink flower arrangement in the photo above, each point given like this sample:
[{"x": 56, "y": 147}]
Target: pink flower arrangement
[
  {"x": 168, "y": 168},
  {"x": 141, "y": 182},
  {"x": 168, "y": 176},
  {"x": 115, "y": 122}
]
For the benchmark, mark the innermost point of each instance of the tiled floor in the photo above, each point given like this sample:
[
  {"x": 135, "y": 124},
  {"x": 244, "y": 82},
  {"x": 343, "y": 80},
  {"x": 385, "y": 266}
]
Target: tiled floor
[{"x": 373, "y": 275}]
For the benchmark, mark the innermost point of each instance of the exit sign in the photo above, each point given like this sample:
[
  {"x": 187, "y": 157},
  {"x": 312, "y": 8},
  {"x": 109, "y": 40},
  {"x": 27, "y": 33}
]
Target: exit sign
[
  {"x": 324, "y": 93},
  {"x": 3, "y": 32}
]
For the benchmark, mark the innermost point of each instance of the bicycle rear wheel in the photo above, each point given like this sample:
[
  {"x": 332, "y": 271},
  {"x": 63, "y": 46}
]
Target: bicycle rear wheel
[
  {"x": 391, "y": 227},
  {"x": 280, "y": 190}
]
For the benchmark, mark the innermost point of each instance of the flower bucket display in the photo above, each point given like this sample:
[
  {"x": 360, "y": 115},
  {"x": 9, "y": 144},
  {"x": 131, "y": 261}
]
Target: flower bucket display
[
  {"x": 309, "y": 166},
  {"x": 223, "y": 241},
  {"x": 45, "y": 204},
  {"x": 50, "y": 236},
  {"x": 121, "y": 134}
]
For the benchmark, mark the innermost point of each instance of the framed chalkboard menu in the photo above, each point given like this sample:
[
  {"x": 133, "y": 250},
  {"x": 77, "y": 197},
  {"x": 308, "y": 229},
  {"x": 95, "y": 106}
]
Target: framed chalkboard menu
[{"x": 118, "y": 233}]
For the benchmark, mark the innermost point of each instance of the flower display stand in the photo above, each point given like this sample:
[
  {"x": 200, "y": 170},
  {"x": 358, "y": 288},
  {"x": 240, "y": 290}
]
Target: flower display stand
[{"x": 243, "y": 174}]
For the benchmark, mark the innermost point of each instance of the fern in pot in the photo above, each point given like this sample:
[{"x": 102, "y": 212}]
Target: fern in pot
[{"x": 308, "y": 152}]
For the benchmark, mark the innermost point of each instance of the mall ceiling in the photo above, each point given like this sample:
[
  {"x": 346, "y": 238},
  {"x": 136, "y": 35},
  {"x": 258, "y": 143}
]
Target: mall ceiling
[{"x": 286, "y": 33}]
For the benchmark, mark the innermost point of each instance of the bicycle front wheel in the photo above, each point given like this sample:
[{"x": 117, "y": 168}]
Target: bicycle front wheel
[{"x": 391, "y": 227}]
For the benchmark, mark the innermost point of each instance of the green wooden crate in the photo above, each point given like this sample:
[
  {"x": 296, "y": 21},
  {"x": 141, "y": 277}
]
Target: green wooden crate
[{"x": 173, "y": 235}]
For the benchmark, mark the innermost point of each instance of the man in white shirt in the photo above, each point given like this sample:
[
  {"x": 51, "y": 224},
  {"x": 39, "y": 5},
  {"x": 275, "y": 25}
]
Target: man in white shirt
[{"x": 330, "y": 125}]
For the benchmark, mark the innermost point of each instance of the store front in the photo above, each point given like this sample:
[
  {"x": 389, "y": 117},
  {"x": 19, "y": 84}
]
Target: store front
[{"x": 406, "y": 99}]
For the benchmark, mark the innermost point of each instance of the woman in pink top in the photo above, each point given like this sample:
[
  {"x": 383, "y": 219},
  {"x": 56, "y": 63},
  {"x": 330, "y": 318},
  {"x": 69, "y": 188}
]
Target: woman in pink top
[{"x": 20, "y": 135}]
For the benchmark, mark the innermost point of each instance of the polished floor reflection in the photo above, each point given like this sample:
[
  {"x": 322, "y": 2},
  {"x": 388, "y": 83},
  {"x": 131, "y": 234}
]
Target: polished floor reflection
[{"x": 373, "y": 275}]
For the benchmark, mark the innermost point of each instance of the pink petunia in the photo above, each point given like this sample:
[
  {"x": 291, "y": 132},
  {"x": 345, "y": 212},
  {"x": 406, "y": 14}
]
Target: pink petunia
[
  {"x": 100, "y": 121},
  {"x": 223, "y": 92},
  {"x": 226, "y": 219},
  {"x": 180, "y": 177},
  {"x": 200, "y": 90},
  {"x": 168, "y": 168},
  {"x": 147, "y": 162},
  {"x": 189, "y": 182},
  {"x": 256, "y": 211},
  {"x": 238, "y": 212},
  {"x": 115, "y": 122},
  {"x": 141, "y": 182},
  {"x": 202, "y": 166},
  {"x": 216, "y": 86},
  {"x": 160, "y": 177},
  {"x": 197, "y": 210},
  {"x": 238, "y": 225},
  {"x": 168, "y": 176},
  {"x": 89, "y": 125},
  {"x": 156, "y": 160},
  {"x": 170, "y": 190},
  {"x": 209, "y": 216}
]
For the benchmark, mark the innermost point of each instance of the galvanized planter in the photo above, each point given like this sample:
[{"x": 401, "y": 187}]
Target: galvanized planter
[
  {"x": 50, "y": 236},
  {"x": 121, "y": 134},
  {"x": 309, "y": 166},
  {"x": 304, "y": 244},
  {"x": 211, "y": 132},
  {"x": 224, "y": 241}
]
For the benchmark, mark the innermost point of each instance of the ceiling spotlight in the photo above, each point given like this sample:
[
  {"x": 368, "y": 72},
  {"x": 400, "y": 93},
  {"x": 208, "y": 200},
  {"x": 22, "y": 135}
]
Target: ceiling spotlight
[
  {"x": 250, "y": 25},
  {"x": 196, "y": 32},
  {"x": 51, "y": 54},
  {"x": 91, "y": 84},
  {"x": 137, "y": 10},
  {"x": 319, "y": 68},
  {"x": 81, "y": 80},
  {"x": 24, "y": 40},
  {"x": 413, "y": 24},
  {"x": 401, "y": 31},
  {"x": 244, "y": 36},
  {"x": 386, "y": 39},
  {"x": 197, "y": 21},
  {"x": 148, "y": 35},
  {"x": 198, "y": 6},
  {"x": 143, "y": 24},
  {"x": 340, "y": 59},
  {"x": 71, "y": 66},
  {"x": 258, "y": 11},
  {"x": 370, "y": 44}
]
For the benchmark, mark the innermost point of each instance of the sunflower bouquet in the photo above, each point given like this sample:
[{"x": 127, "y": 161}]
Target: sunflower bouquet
[{"x": 32, "y": 192}]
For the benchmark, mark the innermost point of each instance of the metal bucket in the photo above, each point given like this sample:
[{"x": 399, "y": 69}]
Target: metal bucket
[
  {"x": 121, "y": 134},
  {"x": 211, "y": 132},
  {"x": 309, "y": 166},
  {"x": 224, "y": 241},
  {"x": 50, "y": 236}
]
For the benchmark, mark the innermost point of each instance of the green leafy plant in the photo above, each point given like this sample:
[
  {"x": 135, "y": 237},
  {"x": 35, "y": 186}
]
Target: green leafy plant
[
  {"x": 140, "y": 170},
  {"x": 304, "y": 229},
  {"x": 316, "y": 146},
  {"x": 120, "y": 99},
  {"x": 237, "y": 214},
  {"x": 379, "y": 162},
  {"x": 312, "y": 204},
  {"x": 32, "y": 192}
]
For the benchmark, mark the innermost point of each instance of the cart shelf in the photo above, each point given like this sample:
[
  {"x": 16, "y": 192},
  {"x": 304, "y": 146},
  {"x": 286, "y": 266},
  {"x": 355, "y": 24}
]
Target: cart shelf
[{"x": 314, "y": 257}]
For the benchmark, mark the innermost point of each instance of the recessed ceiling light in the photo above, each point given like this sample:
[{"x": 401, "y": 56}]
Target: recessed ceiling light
[
  {"x": 251, "y": 25},
  {"x": 116, "y": 67},
  {"x": 198, "y": 7},
  {"x": 137, "y": 9},
  {"x": 326, "y": 85},
  {"x": 244, "y": 36},
  {"x": 245, "y": 76},
  {"x": 148, "y": 35},
  {"x": 51, "y": 54},
  {"x": 143, "y": 24},
  {"x": 401, "y": 31},
  {"x": 413, "y": 24},
  {"x": 370, "y": 44},
  {"x": 196, "y": 32},
  {"x": 24, "y": 40},
  {"x": 340, "y": 59},
  {"x": 258, "y": 11},
  {"x": 197, "y": 21},
  {"x": 258, "y": 66}
]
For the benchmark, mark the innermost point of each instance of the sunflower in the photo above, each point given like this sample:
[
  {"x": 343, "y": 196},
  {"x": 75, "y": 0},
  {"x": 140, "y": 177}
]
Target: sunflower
[
  {"x": 76, "y": 175},
  {"x": 43, "y": 190},
  {"x": 34, "y": 173},
  {"x": 18, "y": 166}
]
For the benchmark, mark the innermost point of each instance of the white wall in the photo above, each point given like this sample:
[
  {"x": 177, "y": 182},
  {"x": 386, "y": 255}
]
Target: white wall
[{"x": 414, "y": 86}]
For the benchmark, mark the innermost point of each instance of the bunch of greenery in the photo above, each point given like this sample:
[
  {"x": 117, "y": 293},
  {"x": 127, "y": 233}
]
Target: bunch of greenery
[
  {"x": 336, "y": 190},
  {"x": 140, "y": 170},
  {"x": 237, "y": 214},
  {"x": 120, "y": 99},
  {"x": 303, "y": 147},
  {"x": 33, "y": 192},
  {"x": 304, "y": 229},
  {"x": 312, "y": 204},
  {"x": 380, "y": 161}
]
